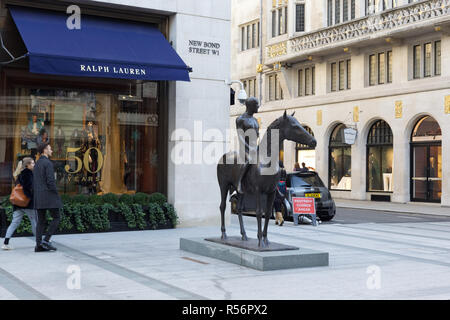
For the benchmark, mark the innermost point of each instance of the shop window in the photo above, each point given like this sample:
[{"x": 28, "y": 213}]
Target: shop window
[
  {"x": 426, "y": 161},
  {"x": 380, "y": 157},
  {"x": 102, "y": 142},
  {"x": 305, "y": 153},
  {"x": 340, "y": 158}
]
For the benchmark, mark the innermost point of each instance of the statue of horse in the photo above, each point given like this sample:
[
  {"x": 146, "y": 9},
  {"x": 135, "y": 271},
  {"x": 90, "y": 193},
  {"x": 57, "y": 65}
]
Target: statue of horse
[{"x": 262, "y": 177}]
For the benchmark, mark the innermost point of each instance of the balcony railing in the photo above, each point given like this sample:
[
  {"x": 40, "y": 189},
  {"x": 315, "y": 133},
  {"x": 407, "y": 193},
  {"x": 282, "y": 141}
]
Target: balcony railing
[{"x": 369, "y": 26}]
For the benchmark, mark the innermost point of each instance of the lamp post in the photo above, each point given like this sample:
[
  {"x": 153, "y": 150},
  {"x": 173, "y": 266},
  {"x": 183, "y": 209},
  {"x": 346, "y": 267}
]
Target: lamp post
[{"x": 242, "y": 95}]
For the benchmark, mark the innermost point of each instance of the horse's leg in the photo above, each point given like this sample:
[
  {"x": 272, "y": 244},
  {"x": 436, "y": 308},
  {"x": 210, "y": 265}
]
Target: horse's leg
[
  {"x": 269, "y": 205},
  {"x": 223, "y": 204},
  {"x": 258, "y": 217},
  {"x": 241, "y": 222}
]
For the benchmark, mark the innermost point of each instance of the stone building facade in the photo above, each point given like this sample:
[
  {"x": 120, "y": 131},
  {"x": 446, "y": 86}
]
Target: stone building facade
[{"x": 381, "y": 68}]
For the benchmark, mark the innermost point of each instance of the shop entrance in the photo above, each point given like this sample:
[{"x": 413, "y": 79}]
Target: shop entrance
[{"x": 426, "y": 161}]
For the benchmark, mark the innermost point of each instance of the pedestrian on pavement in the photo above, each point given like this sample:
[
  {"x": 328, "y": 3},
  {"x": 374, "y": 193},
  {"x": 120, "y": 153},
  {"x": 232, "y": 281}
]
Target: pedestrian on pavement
[
  {"x": 280, "y": 195},
  {"x": 24, "y": 175},
  {"x": 46, "y": 197}
]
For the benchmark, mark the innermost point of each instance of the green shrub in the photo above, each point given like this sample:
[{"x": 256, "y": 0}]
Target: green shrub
[
  {"x": 111, "y": 198},
  {"x": 127, "y": 199},
  {"x": 76, "y": 211},
  {"x": 4, "y": 202},
  {"x": 156, "y": 215},
  {"x": 158, "y": 198},
  {"x": 80, "y": 198},
  {"x": 96, "y": 199},
  {"x": 66, "y": 199},
  {"x": 128, "y": 214},
  {"x": 139, "y": 215},
  {"x": 171, "y": 214},
  {"x": 142, "y": 198},
  {"x": 65, "y": 224}
]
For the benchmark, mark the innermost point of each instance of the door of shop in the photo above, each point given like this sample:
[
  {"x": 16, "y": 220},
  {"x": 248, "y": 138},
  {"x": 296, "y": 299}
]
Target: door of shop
[{"x": 426, "y": 172}]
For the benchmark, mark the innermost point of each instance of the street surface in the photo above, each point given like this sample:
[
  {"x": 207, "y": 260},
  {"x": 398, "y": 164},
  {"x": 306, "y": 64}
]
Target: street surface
[{"x": 373, "y": 255}]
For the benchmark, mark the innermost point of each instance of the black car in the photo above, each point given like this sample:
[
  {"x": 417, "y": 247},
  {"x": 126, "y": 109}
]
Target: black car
[
  {"x": 299, "y": 184},
  {"x": 308, "y": 184}
]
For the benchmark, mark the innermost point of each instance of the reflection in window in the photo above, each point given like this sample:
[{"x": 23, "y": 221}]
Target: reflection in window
[
  {"x": 380, "y": 157},
  {"x": 101, "y": 143},
  {"x": 340, "y": 156}
]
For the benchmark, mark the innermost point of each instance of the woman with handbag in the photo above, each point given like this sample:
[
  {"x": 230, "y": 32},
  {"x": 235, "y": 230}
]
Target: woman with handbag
[{"x": 24, "y": 176}]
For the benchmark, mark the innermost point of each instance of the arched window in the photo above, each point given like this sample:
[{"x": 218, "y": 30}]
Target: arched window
[
  {"x": 305, "y": 153},
  {"x": 380, "y": 157},
  {"x": 426, "y": 161},
  {"x": 426, "y": 129},
  {"x": 340, "y": 160}
]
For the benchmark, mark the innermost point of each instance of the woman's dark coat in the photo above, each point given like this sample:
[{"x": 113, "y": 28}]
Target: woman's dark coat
[
  {"x": 25, "y": 179},
  {"x": 44, "y": 185}
]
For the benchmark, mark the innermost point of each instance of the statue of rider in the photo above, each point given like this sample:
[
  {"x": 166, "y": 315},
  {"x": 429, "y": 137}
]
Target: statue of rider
[{"x": 248, "y": 133}]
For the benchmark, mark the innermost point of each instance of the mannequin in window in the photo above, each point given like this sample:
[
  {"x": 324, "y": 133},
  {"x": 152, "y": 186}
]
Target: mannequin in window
[
  {"x": 43, "y": 136},
  {"x": 60, "y": 138},
  {"x": 90, "y": 140},
  {"x": 34, "y": 126},
  {"x": 374, "y": 172},
  {"x": 75, "y": 139}
]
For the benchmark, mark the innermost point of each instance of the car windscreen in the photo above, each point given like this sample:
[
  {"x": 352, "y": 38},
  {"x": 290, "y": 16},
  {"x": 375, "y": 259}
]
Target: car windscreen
[{"x": 306, "y": 181}]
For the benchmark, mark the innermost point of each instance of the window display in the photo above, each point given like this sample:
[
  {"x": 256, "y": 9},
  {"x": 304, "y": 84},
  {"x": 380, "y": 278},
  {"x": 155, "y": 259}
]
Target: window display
[
  {"x": 340, "y": 157},
  {"x": 380, "y": 156},
  {"x": 99, "y": 143}
]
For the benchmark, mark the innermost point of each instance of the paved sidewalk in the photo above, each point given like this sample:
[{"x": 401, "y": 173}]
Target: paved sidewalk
[
  {"x": 367, "y": 261},
  {"x": 410, "y": 207}
]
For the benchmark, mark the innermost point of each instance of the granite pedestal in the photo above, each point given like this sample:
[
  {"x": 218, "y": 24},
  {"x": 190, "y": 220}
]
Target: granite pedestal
[{"x": 286, "y": 257}]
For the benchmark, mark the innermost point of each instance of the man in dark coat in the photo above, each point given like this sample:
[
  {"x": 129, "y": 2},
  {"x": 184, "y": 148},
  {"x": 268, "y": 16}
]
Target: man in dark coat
[{"x": 46, "y": 197}]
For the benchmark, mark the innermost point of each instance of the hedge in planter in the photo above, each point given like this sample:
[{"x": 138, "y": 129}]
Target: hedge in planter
[{"x": 82, "y": 213}]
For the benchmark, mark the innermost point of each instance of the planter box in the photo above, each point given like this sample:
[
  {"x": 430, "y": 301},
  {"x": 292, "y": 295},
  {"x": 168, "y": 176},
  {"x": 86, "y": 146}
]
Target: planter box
[{"x": 117, "y": 223}]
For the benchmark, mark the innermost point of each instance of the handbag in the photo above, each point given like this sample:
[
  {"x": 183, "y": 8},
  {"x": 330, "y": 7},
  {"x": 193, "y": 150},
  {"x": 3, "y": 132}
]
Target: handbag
[{"x": 18, "y": 197}]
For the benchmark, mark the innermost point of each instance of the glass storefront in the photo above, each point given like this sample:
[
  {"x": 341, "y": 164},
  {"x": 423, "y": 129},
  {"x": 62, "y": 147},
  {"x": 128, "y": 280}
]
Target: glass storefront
[
  {"x": 306, "y": 154},
  {"x": 426, "y": 161},
  {"x": 340, "y": 160},
  {"x": 380, "y": 157},
  {"x": 102, "y": 141}
]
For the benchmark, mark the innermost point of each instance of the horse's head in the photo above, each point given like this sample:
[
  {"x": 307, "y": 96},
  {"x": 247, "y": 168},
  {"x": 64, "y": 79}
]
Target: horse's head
[{"x": 291, "y": 129}]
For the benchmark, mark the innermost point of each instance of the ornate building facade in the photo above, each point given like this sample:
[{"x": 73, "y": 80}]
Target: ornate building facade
[{"x": 380, "y": 69}]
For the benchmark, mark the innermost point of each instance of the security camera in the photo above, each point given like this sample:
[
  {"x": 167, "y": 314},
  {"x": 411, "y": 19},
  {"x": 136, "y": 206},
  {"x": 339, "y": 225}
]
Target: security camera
[{"x": 242, "y": 96}]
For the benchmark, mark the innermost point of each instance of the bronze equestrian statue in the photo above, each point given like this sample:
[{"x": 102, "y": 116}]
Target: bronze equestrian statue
[{"x": 260, "y": 172}]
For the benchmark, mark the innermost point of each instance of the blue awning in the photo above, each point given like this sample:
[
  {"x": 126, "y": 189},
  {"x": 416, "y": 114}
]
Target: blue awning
[{"x": 103, "y": 47}]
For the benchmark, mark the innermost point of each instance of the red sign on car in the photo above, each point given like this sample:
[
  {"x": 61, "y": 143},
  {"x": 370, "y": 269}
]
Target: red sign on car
[{"x": 304, "y": 205}]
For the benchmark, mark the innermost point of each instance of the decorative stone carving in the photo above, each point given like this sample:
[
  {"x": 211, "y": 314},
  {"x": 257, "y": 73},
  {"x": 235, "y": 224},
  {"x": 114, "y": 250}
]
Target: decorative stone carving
[{"x": 367, "y": 26}]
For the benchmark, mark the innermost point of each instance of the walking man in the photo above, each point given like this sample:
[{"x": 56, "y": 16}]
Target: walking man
[{"x": 46, "y": 197}]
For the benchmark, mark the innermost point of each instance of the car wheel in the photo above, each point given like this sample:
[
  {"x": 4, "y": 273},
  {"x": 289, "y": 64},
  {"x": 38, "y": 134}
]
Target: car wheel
[{"x": 326, "y": 218}]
